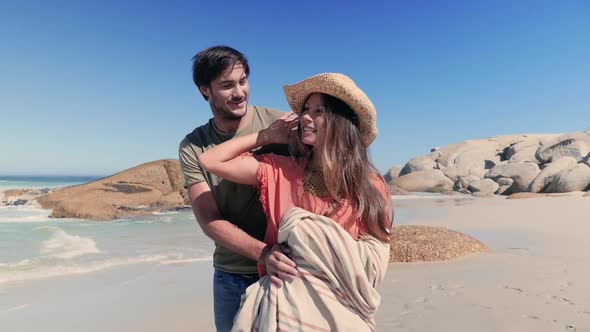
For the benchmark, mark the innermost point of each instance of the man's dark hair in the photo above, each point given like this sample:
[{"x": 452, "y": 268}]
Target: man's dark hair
[{"x": 211, "y": 62}]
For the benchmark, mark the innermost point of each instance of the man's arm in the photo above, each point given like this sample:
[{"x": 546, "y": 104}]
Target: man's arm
[
  {"x": 278, "y": 265},
  {"x": 218, "y": 229}
]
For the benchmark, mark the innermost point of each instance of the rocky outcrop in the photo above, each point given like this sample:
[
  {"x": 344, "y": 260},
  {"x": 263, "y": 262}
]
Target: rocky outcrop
[
  {"x": 507, "y": 164},
  {"x": 11, "y": 193},
  {"x": 576, "y": 145},
  {"x": 527, "y": 154},
  {"x": 16, "y": 197},
  {"x": 392, "y": 174},
  {"x": 522, "y": 174},
  {"x": 468, "y": 158},
  {"x": 568, "y": 180},
  {"x": 414, "y": 243},
  {"x": 504, "y": 185},
  {"x": 418, "y": 164},
  {"x": 144, "y": 189},
  {"x": 548, "y": 174},
  {"x": 425, "y": 181},
  {"x": 485, "y": 187},
  {"x": 462, "y": 183}
]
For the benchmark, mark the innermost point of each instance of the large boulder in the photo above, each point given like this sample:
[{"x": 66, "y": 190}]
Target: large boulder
[
  {"x": 527, "y": 154},
  {"x": 549, "y": 173},
  {"x": 455, "y": 172},
  {"x": 414, "y": 243},
  {"x": 522, "y": 174},
  {"x": 504, "y": 185},
  {"x": 462, "y": 183},
  {"x": 574, "y": 179},
  {"x": 468, "y": 158},
  {"x": 392, "y": 173},
  {"x": 529, "y": 143},
  {"x": 144, "y": 189},
  {"x": 483, "y": 187},
  {"x": 523, "y": 141},
  {"x": 424, "y": 181},
  {"x": 418, "y": 164},
  {"x": 505, "y": 141},
  {"x": 576, "y": 145}
]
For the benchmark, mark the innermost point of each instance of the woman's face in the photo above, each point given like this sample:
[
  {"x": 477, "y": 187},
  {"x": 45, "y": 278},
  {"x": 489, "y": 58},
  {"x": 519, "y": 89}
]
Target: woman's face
[{"x": 311, "y": 119}]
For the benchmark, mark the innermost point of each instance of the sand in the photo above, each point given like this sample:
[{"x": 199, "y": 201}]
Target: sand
[{"x": 533, "y": 280}]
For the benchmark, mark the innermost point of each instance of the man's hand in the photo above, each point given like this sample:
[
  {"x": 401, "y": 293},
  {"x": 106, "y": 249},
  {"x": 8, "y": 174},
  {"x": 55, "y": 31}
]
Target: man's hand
[{"x": 278, "y": 265}]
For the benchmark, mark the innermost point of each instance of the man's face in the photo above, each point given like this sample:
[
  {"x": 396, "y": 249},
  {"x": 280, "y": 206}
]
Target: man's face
[{"x": 228, "y": 93}]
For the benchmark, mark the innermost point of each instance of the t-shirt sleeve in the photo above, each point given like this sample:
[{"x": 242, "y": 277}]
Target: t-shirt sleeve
[
  {"x": 275, "y": 114},
  {"x": 187, "y": 156}
]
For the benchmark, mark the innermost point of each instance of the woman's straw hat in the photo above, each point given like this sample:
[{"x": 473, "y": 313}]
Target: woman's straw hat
[{"x": 343, "y": 88}]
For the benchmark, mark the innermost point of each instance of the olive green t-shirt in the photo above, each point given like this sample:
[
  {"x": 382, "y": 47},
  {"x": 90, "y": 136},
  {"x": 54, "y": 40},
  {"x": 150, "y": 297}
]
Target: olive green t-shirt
[{"x": 237, "y": 203}]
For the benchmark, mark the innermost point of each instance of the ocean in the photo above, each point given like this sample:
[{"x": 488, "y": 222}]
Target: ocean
[{"x": 34, "y": 246}]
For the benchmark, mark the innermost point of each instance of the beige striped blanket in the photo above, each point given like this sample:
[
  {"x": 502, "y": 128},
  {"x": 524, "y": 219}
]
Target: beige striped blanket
[{"x": 336, "y": 289}]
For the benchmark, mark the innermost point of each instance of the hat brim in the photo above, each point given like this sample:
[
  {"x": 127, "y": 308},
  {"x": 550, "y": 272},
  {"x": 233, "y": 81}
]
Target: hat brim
[{"x": 342, "y": 87}]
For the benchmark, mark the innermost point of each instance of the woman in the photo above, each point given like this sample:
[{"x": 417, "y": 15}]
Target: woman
[{"x": 334, "y": 184}]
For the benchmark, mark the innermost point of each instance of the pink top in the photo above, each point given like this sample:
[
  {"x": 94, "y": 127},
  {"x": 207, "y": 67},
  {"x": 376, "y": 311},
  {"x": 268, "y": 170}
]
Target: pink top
[{"x": 281, "y": 189}]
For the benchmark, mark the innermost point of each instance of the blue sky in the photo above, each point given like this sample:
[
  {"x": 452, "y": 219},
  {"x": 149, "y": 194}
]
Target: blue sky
[{"x": 92, "y": 88}]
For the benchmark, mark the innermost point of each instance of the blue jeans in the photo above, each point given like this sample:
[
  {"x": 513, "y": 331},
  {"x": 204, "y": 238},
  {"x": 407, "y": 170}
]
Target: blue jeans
[{"x": 227, "y": 294}]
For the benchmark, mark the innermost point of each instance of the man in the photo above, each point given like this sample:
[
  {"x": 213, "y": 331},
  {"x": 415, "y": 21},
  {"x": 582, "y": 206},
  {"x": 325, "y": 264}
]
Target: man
[{"x": 228, "y": 213}]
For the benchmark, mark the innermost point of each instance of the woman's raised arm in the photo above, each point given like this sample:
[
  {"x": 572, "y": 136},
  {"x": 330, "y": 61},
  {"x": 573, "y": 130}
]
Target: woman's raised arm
[{"x": 228, "y": 160}]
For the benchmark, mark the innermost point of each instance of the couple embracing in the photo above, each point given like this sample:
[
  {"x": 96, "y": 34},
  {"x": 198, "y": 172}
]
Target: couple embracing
[{"x": 299, "y": 214}]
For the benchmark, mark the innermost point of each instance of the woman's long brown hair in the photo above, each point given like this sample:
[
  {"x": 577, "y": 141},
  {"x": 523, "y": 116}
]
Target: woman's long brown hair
[{"x": 346, "y": 167}]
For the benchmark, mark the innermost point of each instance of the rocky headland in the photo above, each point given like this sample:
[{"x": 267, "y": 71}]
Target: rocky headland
[
  {"x": 156, "y": 186},
  {"x": 503, "y": 165}
]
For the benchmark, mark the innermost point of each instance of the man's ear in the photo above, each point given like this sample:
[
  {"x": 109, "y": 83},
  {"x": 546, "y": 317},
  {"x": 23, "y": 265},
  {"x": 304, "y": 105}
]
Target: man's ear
[{"x": 205, "y": 90}]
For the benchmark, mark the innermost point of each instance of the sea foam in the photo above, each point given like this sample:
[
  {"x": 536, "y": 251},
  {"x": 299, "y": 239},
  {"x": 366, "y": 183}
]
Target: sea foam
[
  {"x": 23, "y": 213},
  {"x": 32, "y": 270},
  {"x": 65, "y": 246}
]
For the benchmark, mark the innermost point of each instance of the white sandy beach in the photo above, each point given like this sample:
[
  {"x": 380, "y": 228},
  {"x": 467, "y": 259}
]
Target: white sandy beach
[{"x": 534, "y": 279}]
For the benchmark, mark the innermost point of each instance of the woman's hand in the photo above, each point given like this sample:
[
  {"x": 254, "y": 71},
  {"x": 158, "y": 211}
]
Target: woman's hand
[{"x": 280, "y": 131}]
